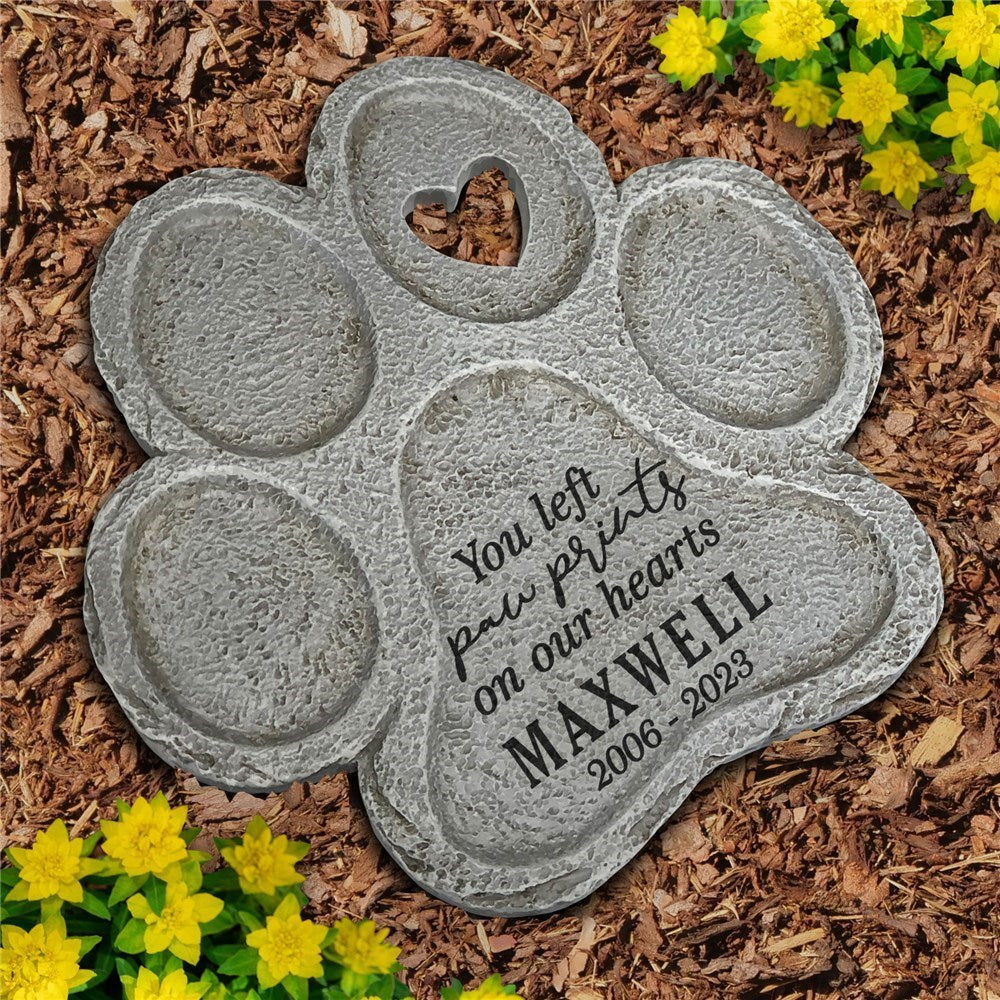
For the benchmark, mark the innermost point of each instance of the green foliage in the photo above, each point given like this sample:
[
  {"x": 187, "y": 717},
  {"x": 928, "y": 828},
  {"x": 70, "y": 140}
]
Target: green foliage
[
  {"x": 918, "y": 77},
  {"x": 131, "y": 912}
]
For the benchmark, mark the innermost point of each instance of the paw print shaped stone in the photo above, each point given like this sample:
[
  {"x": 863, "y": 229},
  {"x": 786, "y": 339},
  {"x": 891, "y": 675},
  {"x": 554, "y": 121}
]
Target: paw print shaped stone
[{"x": 533, "y": 548}]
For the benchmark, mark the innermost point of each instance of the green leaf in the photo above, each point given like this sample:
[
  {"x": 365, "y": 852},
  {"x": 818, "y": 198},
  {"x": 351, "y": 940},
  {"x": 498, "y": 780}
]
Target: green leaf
[
  {"x": 226, "y": 919},
  {"x": 888, "y": 67},
  {"x": 125, "y": 886},
  {"x": 809, "y": 69},
  {"x": 104, "y": 965},
  {"x": 929, "y": 113},
  {"x": 932, "y": 85},
  {"x": 960, "y": 153},
  {"x": 92, "y": 903},
  {"x": 298, "y": 849},
  {"x": 90, "y": 843},
  {"x": 452, "y": 991},
  {"x": 913, "y": 37},
  {"x": 296, "y": 987},
  {"x": 19, "y": 890},
  {"x": 221, "y": 953},
  {"x": 130, "y": 940},
  {"x": 859, "y": 62},
  {"x": 250, "y": 921},
  {"x": 354, "y": 982},
  {"x": 906, "y": 116},
  {"x": 156, "y": 895},
  {"x": 126, "y": 967},
  {"x": 710, "y": 8},
  {"x": 723, "y": 66},
  {"x": 241, "y": 963},
  {"x": 834, "y": 46},
  {"x": 18, "y": 908},
  {"x": 936, "y": 149},
  {"x": 191, "y": 875},
  {"x": 9, "y": 876},
  {"x": 991, "y": 132},
  {"x": 171, "y": 964},
  {"x": 89, "y": 942},
  {"x": 907, "y": 80},
  {"x": 189, "y": 834},
  {"x": 783, "y": 70},
  {"x": 256, "y": 826},
  {"x": 382, "y": 988},
  {"x": 155, "y": 962},
  {"x": 221, "y": 881},
  {"x": 333, "y": 993}
]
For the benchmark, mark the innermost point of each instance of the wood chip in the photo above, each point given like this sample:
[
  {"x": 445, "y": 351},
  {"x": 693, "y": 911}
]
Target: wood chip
[
  {"x": 795, "y": 941},
  {"x": 941, "y": 736},
  {"x": 345, "y": 30}
]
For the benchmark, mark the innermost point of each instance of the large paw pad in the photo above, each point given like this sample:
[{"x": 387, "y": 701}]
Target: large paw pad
[{"x": 535, "y": 548}]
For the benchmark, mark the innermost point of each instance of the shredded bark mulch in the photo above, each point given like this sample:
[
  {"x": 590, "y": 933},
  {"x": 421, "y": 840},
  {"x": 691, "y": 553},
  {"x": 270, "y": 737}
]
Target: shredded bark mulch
[{"x": 860, "y": 860}]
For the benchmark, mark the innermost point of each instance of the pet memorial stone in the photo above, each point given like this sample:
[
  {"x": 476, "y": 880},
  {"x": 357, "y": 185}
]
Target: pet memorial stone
[{"x": 533, "y": 548}]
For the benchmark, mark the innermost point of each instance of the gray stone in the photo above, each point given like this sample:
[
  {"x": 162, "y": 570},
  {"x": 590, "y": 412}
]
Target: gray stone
[{"x": 459, "y": 526}]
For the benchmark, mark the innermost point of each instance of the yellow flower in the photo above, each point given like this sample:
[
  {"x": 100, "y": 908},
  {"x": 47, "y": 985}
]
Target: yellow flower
[
  {"x": 264, "y": 863},
  {"x": 146, "y": 840},
  {"x": 972, "y": 32},
  {"x": 178, "y": 925},
  {"x": 687, "y": 45},
  {"x": 984, "y": 173},
  {"x": 52, "y": 866},
  {"x": 807, "y": 102},
  {"x": 898, "y": 169},
  {"x": 970, "y": 104},
  {"x": 789, "y": 29},
  {"x": 871, "y": 98},
  {"x": 173, "y": 986},
  {"x": 287, "y": 945},
  {"x": 491, "y": 989},
  {"x": 882, "y": 17},
  {"x": 362, "y": 949},
  {"x": 40, "y": 964}
]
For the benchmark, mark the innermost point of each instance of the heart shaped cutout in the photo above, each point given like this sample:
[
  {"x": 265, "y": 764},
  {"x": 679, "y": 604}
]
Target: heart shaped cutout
[{"x": 480, "y": 222}]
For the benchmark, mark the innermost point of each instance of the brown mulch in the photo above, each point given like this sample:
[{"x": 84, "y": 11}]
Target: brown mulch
[{"x": 861, "y": 860}]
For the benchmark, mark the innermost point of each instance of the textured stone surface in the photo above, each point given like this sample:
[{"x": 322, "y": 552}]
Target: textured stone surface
[{"x": 336, "y": 410}]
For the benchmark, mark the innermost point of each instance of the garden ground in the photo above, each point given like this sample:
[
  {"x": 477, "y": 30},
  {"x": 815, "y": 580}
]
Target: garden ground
[{"x": 859, "y": 860}]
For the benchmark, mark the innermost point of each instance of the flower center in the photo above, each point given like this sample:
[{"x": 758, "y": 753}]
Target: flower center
[
  {"x": 172, "y": 916},
  {"x": 975, "y": 28},
  {"x": 30, "y": 972},
  {"x": 873, "y": 96},
  {"x": 286, "y": 945},
  {"x": 900, "y": 169},
  {"x": 883, "y": 14},
  {"x": 259, "y": 867},
  {"x": 57, "y": 864},
  {"x": 697, "y": 38},
  {"x": 147, "y": 841},
  {"x": 798, "y": 25}
]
